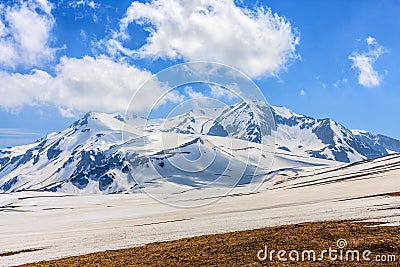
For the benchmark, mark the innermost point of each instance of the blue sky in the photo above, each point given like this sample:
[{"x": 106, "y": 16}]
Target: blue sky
[{"x": 60, "y": 59}]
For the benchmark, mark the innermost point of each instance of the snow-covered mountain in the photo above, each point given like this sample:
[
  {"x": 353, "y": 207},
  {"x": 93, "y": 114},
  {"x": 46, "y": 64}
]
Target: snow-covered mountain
[
  {"x": 299, "y": 134},
  {"x": 243, "y": 121},
  {"x": 383, "y": 144},
  {"x": 90, "y": 156},
  {"x": 323, "y": 138},
  {"x": 88, "y": 148}
]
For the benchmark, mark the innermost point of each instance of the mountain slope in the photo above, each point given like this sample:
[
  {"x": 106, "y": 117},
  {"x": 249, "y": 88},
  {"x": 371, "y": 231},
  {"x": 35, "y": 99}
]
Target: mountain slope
[
  {"x": 84, "y": 149},
  {"x": 321, "y": 138},
  {"x": 302, "y": 135},
  {"x": 89, "y": 156},
  {"x": 384, "y": 144}
]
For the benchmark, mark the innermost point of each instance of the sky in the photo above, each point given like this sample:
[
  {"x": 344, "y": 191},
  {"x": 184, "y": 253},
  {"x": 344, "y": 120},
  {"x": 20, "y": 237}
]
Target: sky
[{"x": 333, "y": 59}]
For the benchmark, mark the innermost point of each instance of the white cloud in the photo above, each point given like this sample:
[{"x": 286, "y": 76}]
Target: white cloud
[
  {"x": 302, "y": 92},
  {"x": 257, "y": 42},
  {"x": 192, "y": 93},
  {"x": 25, "y": 34},
  {"x": 85, "y": 8},
  {"x": 87, "y": 84},
  {"x": 228, "y": 94},
  {"x": 67, "y": 112},
  {"x": 363, "y": 63},
  {"x": 17, "y": 136},
  {"x": 370, "y": 40},
  {"x": 83, "y": 3},
  {"x": 15, "y": 132},
  {"x": 340, "y": 82},
  {"x": 2, "y": 29}
]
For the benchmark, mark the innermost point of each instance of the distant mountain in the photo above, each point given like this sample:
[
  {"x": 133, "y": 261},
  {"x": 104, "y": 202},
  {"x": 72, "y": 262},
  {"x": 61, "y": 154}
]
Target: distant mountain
[
  {"x": 302, "y": 135},
  {"x": 383, "y": 144},
  {"x": 89, "y": 156},
  {"x": 327, "y": 139}
]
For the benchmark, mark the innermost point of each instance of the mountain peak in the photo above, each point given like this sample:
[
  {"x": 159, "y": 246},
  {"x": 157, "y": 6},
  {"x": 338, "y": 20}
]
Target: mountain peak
[
  {"x": 89, "y": 156},
  {"x": 98, "y": 120},
  {"x": 285, "y": 112}
]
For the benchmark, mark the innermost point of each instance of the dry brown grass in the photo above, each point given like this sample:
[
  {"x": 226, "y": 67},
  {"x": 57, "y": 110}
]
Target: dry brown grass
[
  {"x": 240, "y": 248},
  {"x": 394, "y": 194},
  {"x": 10, "y": 253}
]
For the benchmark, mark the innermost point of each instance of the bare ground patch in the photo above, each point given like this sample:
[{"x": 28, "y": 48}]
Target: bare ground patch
[{"x": 240, "y": 248}]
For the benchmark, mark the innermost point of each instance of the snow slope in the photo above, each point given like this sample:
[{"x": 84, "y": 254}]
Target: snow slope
[
  {"x": 384, "y": 144},
  {"x": 59, "y": 225}
]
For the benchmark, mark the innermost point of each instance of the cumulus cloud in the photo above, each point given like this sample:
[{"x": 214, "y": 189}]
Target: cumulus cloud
[
  {"x": 86, "y": 84},
  {"x": 258, "y": 42},
  {"x": 25, "y": 34},
  {"x": 363, "y": 63}
]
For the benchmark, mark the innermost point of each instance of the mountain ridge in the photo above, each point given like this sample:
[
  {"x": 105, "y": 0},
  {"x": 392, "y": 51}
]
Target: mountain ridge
[{"x": 89, "y": 155}]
